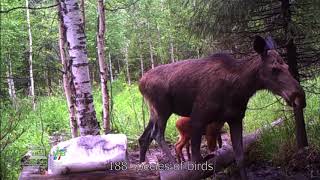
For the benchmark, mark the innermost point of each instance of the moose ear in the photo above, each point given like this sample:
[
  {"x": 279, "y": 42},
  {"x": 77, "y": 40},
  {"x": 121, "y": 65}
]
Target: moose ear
[
  {"x": 260, "y": 45},
  {"x": 270, "y": 43}
]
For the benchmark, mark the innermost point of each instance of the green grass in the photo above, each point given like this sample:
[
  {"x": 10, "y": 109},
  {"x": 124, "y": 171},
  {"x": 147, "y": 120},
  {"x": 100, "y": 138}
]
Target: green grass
[{"x": 51, "y": 115}]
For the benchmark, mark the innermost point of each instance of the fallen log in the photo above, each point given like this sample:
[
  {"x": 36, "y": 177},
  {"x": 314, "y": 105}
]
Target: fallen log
[{"x": 223, "y": 157}]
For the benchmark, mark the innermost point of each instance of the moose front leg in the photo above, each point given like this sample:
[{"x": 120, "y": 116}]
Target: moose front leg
[
  {"x": 237, "y": 144},
  {"x": 197, "y": 129}
]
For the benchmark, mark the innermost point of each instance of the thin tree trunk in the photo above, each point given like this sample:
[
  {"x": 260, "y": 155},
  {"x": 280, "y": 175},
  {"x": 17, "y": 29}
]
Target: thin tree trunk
[
  {"x": 302, "y": 140},
  {"x": 160, "y": 45},
  {"x": 171, "y": 50},
  {"x": 198, "y": 53},
  {"x": 141, "y": 58},
  {"x": 110, "y": 67},
  {"x": 49, "y": 81},
  {"x": 11, "y": 88},
  {"x": 86, "y": 114},
  {"x": 127, "y": 63},
  {"x": 119, "y": 68},
  {"x": 103, "y": 67},
  {"x": 66, "y": 77},
  {"x": 150, "y": 47},
  {"x": 31, "y": 90}
]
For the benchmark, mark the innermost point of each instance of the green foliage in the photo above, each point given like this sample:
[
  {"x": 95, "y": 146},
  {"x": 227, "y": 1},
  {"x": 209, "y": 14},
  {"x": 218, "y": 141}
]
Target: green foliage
[
  {"x": 129, "y": 117},
  {"x": 169, "y": 21},
  {"x": 280, "y": 141},
  {"x": 13, "y": 147}
]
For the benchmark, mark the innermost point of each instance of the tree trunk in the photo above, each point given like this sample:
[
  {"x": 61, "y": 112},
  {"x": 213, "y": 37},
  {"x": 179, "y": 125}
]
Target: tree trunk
[
  {"x": 127, "y": 63},
  {"x": 119, "y": 68},
  {"x": 67, "y": 83},
  {"x": 11, "y": 88},
  {"x": 110, "y": 67},
  {"x": 150, "y": 47},
  {"x": 103, "y": 67},
  {"x": 160, "y": 45},
  {"x": 302, "y": 140},
  {"x": 49, "y": 81},
  {"x": 171, "y": 50},
  {"x": 198, "y": 53},
  {"x": 75, "y": 36},
  {"x": 31, "y": 88},
  {"x": 83, "y": 14},
  {"x": 141, "y": 58}
]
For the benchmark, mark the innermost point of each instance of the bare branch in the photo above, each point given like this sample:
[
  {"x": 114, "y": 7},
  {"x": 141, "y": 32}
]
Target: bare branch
[{"x": 24, "y": 7}]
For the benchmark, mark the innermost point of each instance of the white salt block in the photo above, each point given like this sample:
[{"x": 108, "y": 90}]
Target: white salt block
[{"x": 87, "y": 153}]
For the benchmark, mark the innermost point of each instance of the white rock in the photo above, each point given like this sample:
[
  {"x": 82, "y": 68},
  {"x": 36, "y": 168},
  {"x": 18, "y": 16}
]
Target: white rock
[{"x": 87, "y": 153}]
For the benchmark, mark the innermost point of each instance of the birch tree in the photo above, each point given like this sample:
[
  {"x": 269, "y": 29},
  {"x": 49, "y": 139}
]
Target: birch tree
[
  {"x": 110, "y": 67},
  {"x": 141, "y": 57},
  {"x": 11, "y": 87},
  {"x": 31, "y": 88},
  {"x": 150, "y": 46},
  {"x": 83, "y": 14},
  {"x": 67, "y": 83},
  {"x": 127, "y": 62},
  {"x": 171, "y": 50},
  {"x": 102, "y": 66},
  {"x": 75, "y": 36}
]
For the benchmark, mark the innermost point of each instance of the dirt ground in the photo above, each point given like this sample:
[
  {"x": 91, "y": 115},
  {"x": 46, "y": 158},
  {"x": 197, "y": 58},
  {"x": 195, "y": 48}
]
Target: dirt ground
[
  {"x": 303, "y": 165},
  {"x": 298, "y": 166}
]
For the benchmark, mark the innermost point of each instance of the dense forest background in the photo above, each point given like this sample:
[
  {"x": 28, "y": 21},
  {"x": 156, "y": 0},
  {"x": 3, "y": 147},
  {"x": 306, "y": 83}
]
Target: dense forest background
[{"x": 140, "y": 35}]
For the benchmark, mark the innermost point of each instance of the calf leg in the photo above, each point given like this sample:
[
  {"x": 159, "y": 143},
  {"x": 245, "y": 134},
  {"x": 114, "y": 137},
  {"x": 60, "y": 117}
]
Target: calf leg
[
  {"x": 179, "y": 146},
  {"x": 188, "y": 149},
  {"x": 237, "y": 144}
]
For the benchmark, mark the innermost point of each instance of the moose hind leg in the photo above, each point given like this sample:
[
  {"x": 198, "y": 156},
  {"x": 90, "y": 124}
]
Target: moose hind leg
[
  {"x": 145, "y": 140},
  {"x": 161, "y": 126}
]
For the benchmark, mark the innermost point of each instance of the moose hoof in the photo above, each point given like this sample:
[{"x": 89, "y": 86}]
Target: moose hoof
[{"x": 209, "y": 156}]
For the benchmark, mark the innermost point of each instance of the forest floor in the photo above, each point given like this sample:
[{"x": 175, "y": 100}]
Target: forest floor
[
  {"x": 303, "y": 165},
  {"x": 300, "y": 166}
]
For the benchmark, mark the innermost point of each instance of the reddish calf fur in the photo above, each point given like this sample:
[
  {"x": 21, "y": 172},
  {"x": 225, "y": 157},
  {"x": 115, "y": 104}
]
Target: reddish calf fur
[
  {"x": 217, "y": 86},
  {"x": 212, "y": 134}
]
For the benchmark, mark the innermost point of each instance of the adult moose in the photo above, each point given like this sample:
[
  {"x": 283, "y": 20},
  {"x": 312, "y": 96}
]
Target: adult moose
[{"x": 214, "y": 88}]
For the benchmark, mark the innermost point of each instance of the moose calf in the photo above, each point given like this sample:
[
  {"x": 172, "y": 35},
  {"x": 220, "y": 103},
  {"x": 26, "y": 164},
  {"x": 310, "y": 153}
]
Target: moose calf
[
  {"x": 217, "y": 86},
  {"x": 212, "y": 134}
]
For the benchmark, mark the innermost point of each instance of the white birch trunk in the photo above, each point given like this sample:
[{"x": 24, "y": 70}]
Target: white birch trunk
[
  {"x": 31, "y": 88},
  {"x": 160, "y": 45},
  {"x": 141, "y": 58},
  {"x": 11, "y": 88},
  {"x": 103, "y": 67},
  {"x": 67, "y": 83},
  {"x": 127, "y": 63},
  {"x": 83, "y": 14},
  {"x": 171, "y": 50},
  {"x": 110, "y": 67},
  {"x": 86, "y": 114},
  {"x": 150, "y": 47}
]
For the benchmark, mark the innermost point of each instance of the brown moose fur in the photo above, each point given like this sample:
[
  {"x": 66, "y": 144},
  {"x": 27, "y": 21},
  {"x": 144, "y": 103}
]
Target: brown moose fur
[{"x": 215, "y": 88}]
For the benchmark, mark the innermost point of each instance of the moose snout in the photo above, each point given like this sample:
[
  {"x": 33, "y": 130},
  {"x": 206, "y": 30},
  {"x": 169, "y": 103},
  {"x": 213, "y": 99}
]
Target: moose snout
[{"x": 297, "y": 99}]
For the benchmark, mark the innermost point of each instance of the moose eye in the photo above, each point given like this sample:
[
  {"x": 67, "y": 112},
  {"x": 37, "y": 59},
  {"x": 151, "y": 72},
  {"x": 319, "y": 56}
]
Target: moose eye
[{"x": 275, "y": 71}]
